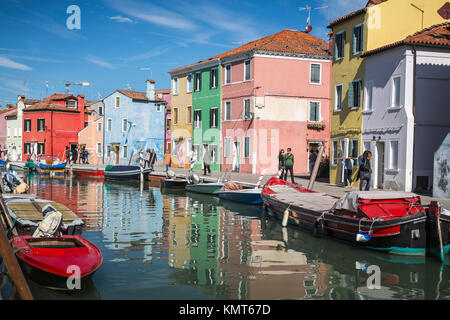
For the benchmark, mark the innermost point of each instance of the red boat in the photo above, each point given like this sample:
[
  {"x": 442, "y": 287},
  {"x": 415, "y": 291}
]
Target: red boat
[
  {"x": 89, "y": 172},
  {"x": 51, "y": 261},
  {"x": 383, "y": 220}
]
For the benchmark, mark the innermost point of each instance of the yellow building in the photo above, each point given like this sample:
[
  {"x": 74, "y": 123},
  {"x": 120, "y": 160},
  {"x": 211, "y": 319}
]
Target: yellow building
[
  {"x": 181, "y": 117},
  {"x": 380, "y": 23}
]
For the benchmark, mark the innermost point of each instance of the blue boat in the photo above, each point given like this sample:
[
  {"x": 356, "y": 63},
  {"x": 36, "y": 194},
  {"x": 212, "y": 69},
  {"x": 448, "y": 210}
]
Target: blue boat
[
  {"x": 248, "y": 196},
  {"x": 125, "y": 172}
]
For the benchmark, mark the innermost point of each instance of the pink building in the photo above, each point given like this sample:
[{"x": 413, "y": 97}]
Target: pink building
[
  {"x": 91, "y": 137},
  {"x": 4, "y": 132},
  {"x": 275, "y": 95}
]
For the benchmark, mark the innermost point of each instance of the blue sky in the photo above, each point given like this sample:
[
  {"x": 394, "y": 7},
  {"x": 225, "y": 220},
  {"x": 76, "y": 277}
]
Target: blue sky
[{"x": 117, "y": 38}]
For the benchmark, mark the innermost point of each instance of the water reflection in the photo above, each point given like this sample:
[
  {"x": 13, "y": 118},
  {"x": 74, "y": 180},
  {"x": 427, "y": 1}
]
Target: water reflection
[{"x": 170, "y": 244}]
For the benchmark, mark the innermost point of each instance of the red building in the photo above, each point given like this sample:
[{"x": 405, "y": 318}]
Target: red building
[{"x": 52, "y": 124}]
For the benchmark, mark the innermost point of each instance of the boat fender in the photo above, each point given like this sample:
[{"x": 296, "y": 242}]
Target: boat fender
[
  {"x": 361, "y": 237},
  {"x": 318, "y": 227},
  {"x": 51, "y": 225},
  {"x": 285, "y": 218}
]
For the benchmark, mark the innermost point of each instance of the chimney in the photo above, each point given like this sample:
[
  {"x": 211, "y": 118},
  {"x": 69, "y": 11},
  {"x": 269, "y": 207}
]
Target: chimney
[
  {"x": 20, "y": 97},
  {"x": 150, "y": 89},
  {"x": 80, "y": 107},
  {"x": 331, "y": 43}
]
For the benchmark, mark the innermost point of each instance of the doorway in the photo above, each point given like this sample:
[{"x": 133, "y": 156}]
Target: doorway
[
  {"x": 312, "y": 146},
  {"x": 380, "y": 165},
  {"x": 116, "y": 150},
  {"x": 236, "y": 156}
]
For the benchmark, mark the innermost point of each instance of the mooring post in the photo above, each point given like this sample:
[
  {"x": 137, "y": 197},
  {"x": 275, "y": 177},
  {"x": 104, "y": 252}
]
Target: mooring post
[{"x": 316, "y": 168}]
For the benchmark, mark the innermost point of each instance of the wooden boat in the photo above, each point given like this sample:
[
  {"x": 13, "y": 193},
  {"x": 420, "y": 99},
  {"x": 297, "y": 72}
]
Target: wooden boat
[
  {"x": 438, "y": 229},
  {"x": 50, "y": 165},
  {"x": 89, "y": 172},
  {"x": 206, "y": 188},
  {"x": 248, "y": 196},
  {"x": 50, "y": 261},
  {"x": 173, "y": 183},
  {"x": 125, "y": 172},
  {"x": 394, "y": 222},
  {"x": 26, "y": 216}
]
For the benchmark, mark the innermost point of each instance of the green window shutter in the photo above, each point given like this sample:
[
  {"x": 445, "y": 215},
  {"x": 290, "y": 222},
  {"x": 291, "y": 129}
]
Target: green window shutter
[
  {"x": 350, "y": 95},
  {"x": 335, "y": 48},
  {"x": 354, "y": 41}
]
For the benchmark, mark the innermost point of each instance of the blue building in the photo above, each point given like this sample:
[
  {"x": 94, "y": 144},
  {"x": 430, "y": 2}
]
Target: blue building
[{"x": 133, "y": 121}]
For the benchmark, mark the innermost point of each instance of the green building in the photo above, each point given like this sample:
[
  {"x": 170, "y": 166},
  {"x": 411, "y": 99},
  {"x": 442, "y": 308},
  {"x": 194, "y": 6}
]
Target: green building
[{"x": 206, "y": 105}]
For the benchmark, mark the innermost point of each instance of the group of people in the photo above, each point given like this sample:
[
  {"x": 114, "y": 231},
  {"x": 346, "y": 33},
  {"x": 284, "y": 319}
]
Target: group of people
[
  {"x": 364, "y": 171},
  {"x": 75, "y": 155},
  {"x": 286, "y": 164},
  {"x": 150, "y": 159}
]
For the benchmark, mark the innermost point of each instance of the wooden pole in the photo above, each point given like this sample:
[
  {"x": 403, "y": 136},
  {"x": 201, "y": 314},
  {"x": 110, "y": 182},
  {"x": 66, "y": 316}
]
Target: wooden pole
[
  {"x": 131, "y": 157},
  {"x": 316, "y": 168}
]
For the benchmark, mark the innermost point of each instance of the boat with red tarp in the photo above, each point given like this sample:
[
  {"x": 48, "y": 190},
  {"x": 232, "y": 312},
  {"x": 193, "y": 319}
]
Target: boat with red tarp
[
  {"x": 389, "y": 221},
  {"x": 50, "y": 261},
  {"x": 89, "y": 172}
]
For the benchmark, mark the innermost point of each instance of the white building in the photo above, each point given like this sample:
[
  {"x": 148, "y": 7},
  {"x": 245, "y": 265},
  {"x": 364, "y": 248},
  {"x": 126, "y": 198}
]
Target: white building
[{"x": 407, "y": 108}]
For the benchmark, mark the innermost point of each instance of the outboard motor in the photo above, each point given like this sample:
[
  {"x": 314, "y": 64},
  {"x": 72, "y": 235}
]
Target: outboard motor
[
  {"x": 193, "y": 178},
  {"x": 170, "y": 174}
]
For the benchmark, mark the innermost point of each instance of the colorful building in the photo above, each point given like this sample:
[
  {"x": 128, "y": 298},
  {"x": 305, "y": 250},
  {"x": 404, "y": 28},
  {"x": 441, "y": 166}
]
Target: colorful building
[
  {"x": 52, "y": 124},
  {"x": 165, "y": 94},
  {"x": 134, "y": 121},
  {"x": 91, "y": 137},
  {"x": 5, "y": 132},
  {"x": 405, "y": 117},
  {"x": 181, "y": 116}
]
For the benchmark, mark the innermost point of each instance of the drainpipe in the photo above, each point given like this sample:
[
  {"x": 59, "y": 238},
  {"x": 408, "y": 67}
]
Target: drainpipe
[{"x": 414, "y": 51}]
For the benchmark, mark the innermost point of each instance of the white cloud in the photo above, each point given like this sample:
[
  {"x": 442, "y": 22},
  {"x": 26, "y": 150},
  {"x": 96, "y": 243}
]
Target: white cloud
[
  {"x": 122, "y": 19},
  {"x": 8, "y": 63},
  {"x": 100, "y": 62}
]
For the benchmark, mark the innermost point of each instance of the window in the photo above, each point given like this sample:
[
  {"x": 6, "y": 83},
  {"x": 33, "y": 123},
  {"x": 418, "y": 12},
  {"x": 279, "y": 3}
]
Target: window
[
  {"x": 159, "y": 107},
  {"x": 246, "y": 147},
  {"x": 40, "y": 148},
  {"x": 117, "y": 102},
  {"x": 175, "y": 115},
  {"x": 40, "y": 124},
  {"x": 175, "y": 85},
  {"x": 99, "y": 148},
  {"x": 189, "y": 114},
  {"x": 175, "y": 148},
  {"x": 314, "y": 111},
  {"x": 197, "y": 119},
  {"x": 247, "y": 70},
  {"x": 213, "y": 117},
  {"x": 338, "y": 98},
  {"x": 354, "y": 94},
  {"x": 393, "y": 155},
  {"x": 27, "y": 148},
  {"x": 125, "y": 152},
  {"x": 198, "y": 81},
  {"x": 396, "y": 84},
  {"x": 189, "y": 83},
  {"x": 27, "y": 125},
  {"x": 353, "y": 151},
  {"x": 100, "y": 110},
  {"x": 213, "y": 150},
  {"x": 167, "y": 124},
  {"x": 228, "y": 110},
  {"x": 213, "y": 79},
  {"x": 227, "y": 146},
  {"x": 335, "y": 153},
  {"x": 197, "y": 152},
  {"x": 86, "y": 124},
  {"x": 99, "y": 126},
  {"x": 366, "y": 146},
  {"x": 109, "y": 125},
  {"x": 108, "y": 150},
  {"x": 71, "y": 103},
  {"x": 368, "y": 100},
  {"x": 8, "y": 132},
  {"x": 228, "y": 73},
  {"x": 315, "y": 73},
  {"x": 357, "y": 39},
  {"x": 247, "y": 109},
  {"x": 124, "y": 125},
  {"x": 339, "y": 45}
]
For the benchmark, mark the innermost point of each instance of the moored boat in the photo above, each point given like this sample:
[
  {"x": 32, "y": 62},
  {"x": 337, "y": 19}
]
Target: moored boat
[
  {"x": 173, "y": 183},
  {"x": 50, "y": 165},
  {"x": 394, "y": 222},
  {"x": 125, "y": 172},
  {"x": 248, "y": 196},
  {"x": 206, "y": 188},
  {"x": 88, "y": 172},
  {"x": 51, "y": 261}
]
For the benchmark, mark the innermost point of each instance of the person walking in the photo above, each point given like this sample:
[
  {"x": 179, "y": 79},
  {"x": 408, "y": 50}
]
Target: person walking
[
  {"x": 348, "y": 170},
  {"x": 312, "y": 161},
  {"x": 68, "y": 153},
  {"x": 207, "y": 161},
  {"x": 167, "y": 160},
  {"x": 75, "y": 155},
  {"x": 289, "y": 165},
  {"x": 281, "y": 163},
  {"x": 365, "y": 171},
  {"x": 152, "y": 158},
  {"x": 147, "y": 158}
]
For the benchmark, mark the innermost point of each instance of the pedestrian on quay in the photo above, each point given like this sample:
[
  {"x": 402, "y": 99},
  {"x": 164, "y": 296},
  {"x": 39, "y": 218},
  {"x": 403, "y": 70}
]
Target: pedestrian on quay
[
  {"x": 281, "y": 163},
  {"x": 147, "y": 158},
  {"x": 365, "y": 171},
  {"x": 348, "y": 170},
  {"x": 289, "y": 164},
  {"x": 192, "y": 159},
  {"x": 68, "y": 153},
  {"x": 153, "y": 159},
  {"x": 86, "y": 156},
  {"x": 75, "y": 154},
  {"x": 207, "y": 161},
  {"x": 312, "y": 161},
  {"x": 167, "y": 160}
]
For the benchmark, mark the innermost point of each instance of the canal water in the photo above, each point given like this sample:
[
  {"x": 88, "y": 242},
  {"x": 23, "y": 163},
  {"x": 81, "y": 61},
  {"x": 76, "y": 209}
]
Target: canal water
[{"x": 170, "y": 244}]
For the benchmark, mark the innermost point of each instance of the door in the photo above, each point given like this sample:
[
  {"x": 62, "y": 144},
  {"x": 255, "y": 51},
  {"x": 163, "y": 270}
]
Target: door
[
  {"x": 116, "y": 150},
  {"x": 312, "y": 146},
  {"x": 236, "y": 156},
  {"x": 380, "y": 165},
  {"x": 34, "y": 154}
]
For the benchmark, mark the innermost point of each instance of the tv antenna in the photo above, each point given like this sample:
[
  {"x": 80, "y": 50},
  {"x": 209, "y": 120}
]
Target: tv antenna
[{"x": 308, "y": 20}]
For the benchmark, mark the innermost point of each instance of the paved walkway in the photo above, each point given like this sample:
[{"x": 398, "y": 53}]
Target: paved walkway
[{"x": 250, "y": 180}]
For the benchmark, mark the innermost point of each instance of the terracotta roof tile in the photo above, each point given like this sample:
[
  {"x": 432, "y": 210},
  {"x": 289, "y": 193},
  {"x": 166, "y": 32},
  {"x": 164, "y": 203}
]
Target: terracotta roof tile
[
  {"x": 437, "y": 35},
  {"x": 6, "y": 110},
  {"x": 347, "y": 17},
  {"x": 135, "y": 95},
  {"x": 163, "y": 91},
  {"x": 374, "y": 2},
  {"x": 30, "y": 101},
  {"x": 286, "y": 41},
  {"x": 61, "y": 96}
]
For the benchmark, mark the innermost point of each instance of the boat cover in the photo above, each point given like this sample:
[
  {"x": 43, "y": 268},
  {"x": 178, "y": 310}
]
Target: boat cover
[{"x": 350, "y": 200}]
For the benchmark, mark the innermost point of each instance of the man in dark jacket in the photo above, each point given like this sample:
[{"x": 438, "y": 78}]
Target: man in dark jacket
[{"x": 289, "y": 165}]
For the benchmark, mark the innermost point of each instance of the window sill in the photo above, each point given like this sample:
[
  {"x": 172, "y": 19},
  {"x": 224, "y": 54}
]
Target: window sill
[
  {"x": 367, "y": 111},
  {"x": 355, "y": 108},
  {"x": 392, "y": 171},
  {"x": 393, "y": 109},
  {"x": 315, "y": 84}
]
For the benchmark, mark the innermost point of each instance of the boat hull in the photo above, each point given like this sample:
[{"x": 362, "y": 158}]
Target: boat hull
[
  {"x": 205, "y": 188},
  {"x": 173, "y": 183},
  {"x": 57, "y": 262},
  {"x": 248, "y": 196},
  {"x": 126, "y": 173},
  {"x": 89, "y": 173}
]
